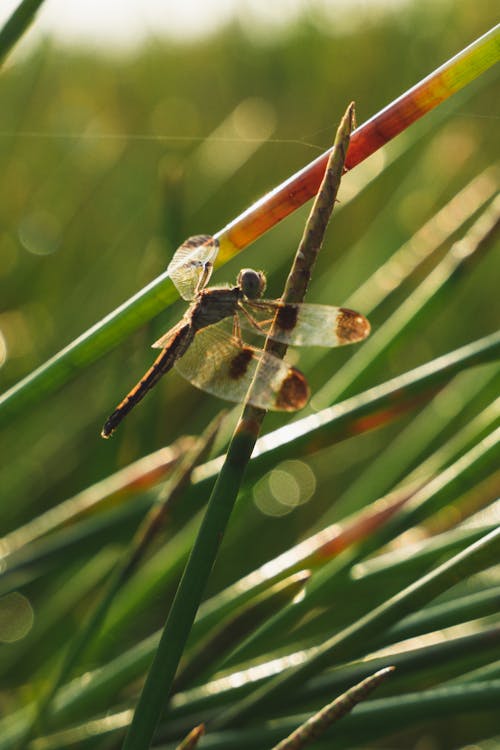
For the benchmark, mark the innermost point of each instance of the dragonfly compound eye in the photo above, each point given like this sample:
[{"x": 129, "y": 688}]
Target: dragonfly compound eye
[{"x": 252, "y": 283}]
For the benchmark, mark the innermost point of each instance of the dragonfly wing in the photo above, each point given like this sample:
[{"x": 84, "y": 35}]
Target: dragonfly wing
[
  {"x": 165, "y": 341},
  {"x": 306, "y": 325},
  {"x": 191, "y": 265},
  {"x": 219, "y": 364}
]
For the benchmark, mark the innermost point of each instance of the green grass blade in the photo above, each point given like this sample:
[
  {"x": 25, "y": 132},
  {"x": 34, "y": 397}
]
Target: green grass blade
[
  {"x": 378, "y": 718},
  {"x": 114, "y": 489},
  {"x": 356, "y": 639},
  {"x": 369, "y": 410},
  {"x": 223, "y": 497},
  {"x": 76, "y": 584},
  {"x": 366, "y": 411},
  {"x": 125, "y": 568},
  {"x": 370, "y": 721},
  {"x": 208, "y": 653},
  {"x": 95, "y": 342},
  {"x": 315, "y": 727},
  {"x": 418, "y": 665},
  {"x": 193, "y": 738},
  {"x": 426, "y": 241},
  {"x": 391, "y": 467},
  {"x": 18, "y": 23},
  {"x": 440, "y": 616},
  {"x": 359, "y": 368},
  {"x": 438, "y": 86}
]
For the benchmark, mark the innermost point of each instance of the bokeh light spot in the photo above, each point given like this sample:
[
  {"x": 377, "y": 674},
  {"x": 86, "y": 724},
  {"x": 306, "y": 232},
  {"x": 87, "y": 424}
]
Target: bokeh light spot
[
  {"x": 290, "y": 484},
  {"x": 3, "y": 349},
  {"x": 39, "y": 233},
  {"x": 16, "y": 617}
]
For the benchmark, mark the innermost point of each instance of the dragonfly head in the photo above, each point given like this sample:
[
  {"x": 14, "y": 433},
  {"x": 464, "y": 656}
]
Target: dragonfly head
[{"x": 252, "y": 283}]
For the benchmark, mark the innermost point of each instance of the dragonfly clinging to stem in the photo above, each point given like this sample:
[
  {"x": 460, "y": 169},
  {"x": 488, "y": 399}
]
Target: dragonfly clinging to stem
[{"x": 218, "y": 361}]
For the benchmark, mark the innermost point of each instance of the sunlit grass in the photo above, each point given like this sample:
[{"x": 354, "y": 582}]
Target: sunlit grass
[{"x": 388, "y": 559}]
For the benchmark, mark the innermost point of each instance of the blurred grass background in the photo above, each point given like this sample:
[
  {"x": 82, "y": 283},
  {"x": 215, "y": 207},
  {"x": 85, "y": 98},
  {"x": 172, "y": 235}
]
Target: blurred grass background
[{"x": 109, "y": 161}]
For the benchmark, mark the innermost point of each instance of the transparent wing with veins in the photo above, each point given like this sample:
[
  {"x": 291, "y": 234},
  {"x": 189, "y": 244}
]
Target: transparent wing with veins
[
  {"x": 220, "y": 364},
  {"x": 305, "y": 324},
  {"x": 192, "y": 264}
]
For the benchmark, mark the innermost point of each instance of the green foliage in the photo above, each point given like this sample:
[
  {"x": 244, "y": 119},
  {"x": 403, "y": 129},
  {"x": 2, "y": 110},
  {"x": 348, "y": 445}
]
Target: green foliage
[{"x": 108, "y": 163}]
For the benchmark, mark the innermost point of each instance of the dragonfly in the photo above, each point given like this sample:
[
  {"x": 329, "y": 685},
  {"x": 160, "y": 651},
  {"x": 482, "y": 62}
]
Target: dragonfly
[{"x": 214, "y": 357}]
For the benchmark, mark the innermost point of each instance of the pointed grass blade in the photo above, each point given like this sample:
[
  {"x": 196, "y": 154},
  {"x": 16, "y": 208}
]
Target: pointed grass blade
[
  {"x": 369, "y": 410},
  {"x": 18, "y": 23},
  {"x": 194, "y": 736},
  {"x": 366, "y": 139},
  {"x": 363, "y": 635},
  {"x": 479, "y": 239},
  {"x": 225, "y": 491},
  {"x": 143, "y": 538},
  {"x": 319, "y": 723}
]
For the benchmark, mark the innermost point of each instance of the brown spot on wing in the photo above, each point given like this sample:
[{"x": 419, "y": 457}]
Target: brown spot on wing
[
  {"x": 239, "y": 364},
  {"x": 294, "y": 392},
  {"x": 196, "y": 240},
  {"x": 286, "y": 318},
  {"x": 351, "y": 325}
]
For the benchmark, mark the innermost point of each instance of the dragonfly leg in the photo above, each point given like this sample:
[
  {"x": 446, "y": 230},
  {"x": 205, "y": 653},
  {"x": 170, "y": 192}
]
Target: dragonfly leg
[
  {"x": 237, "y": 329},
  {"x": 259, "y": 324},
  {"x": 205, "y": 275}
]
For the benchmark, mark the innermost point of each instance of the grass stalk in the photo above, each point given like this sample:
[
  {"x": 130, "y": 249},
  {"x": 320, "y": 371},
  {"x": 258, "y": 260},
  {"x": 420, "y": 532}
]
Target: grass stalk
[
  {"x": 314, "y": 727},
  {"x": 148, "y": 530},
  {"x": 190, "y": 591},
  {"x": 355, "y": 640},
  {"x": 18, "y": 23}
]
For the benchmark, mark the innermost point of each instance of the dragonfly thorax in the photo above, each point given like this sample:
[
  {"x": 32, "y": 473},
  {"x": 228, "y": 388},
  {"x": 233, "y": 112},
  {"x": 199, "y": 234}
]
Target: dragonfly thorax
[{"x": 252, "y": 283}]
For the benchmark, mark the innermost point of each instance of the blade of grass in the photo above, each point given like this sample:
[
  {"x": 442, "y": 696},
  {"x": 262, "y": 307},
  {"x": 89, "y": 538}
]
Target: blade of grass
[
  {"x": 141, "y": 475},
  {"x": 251, "y": 224},
  {"x": 479, "y": 238},
  {"x": 186, "y": 602},
  {"x": 371, "y": 409},
  {"x": 322, "y": 546},
  {"x": 380, "y": 718},
  {"x": 367, "y": 411},
  {"x": 18, "y": 23},
  {"x": 416, "y": 506},
  {"x": 74, "y": 585},
  {"x": 460, "y": 441},
  {"x": 360, "y": 413},
  {"x": 132, "y": 558},
  {"x": 366, "y": 139},
  {"x": 93, "y": 691},
  {"x": 423, "y": 663},
  {"x": 100, "y": 688},
  {"x": 388, "y": 471},
  {"x": 487, "y": 672},
  {"x": 374, "y": 719},
  {"x": 193, "y": 738},
  {"x": 314, "y": 727},
  {"x": 409, "y": 662},
  {"x": 439, "y": 229},
  {"x": 209, "y": 652},
  {"x": 357, "y": 585},
  {"x": 395, "y": 274},
  {"x": 448, "y": 614},
  {"x": 371, "y": 720},
  {"x": 355, "y": 640}
]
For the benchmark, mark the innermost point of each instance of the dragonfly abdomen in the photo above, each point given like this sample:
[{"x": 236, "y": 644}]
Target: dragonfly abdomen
[{"x": 182, "y": 337}]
